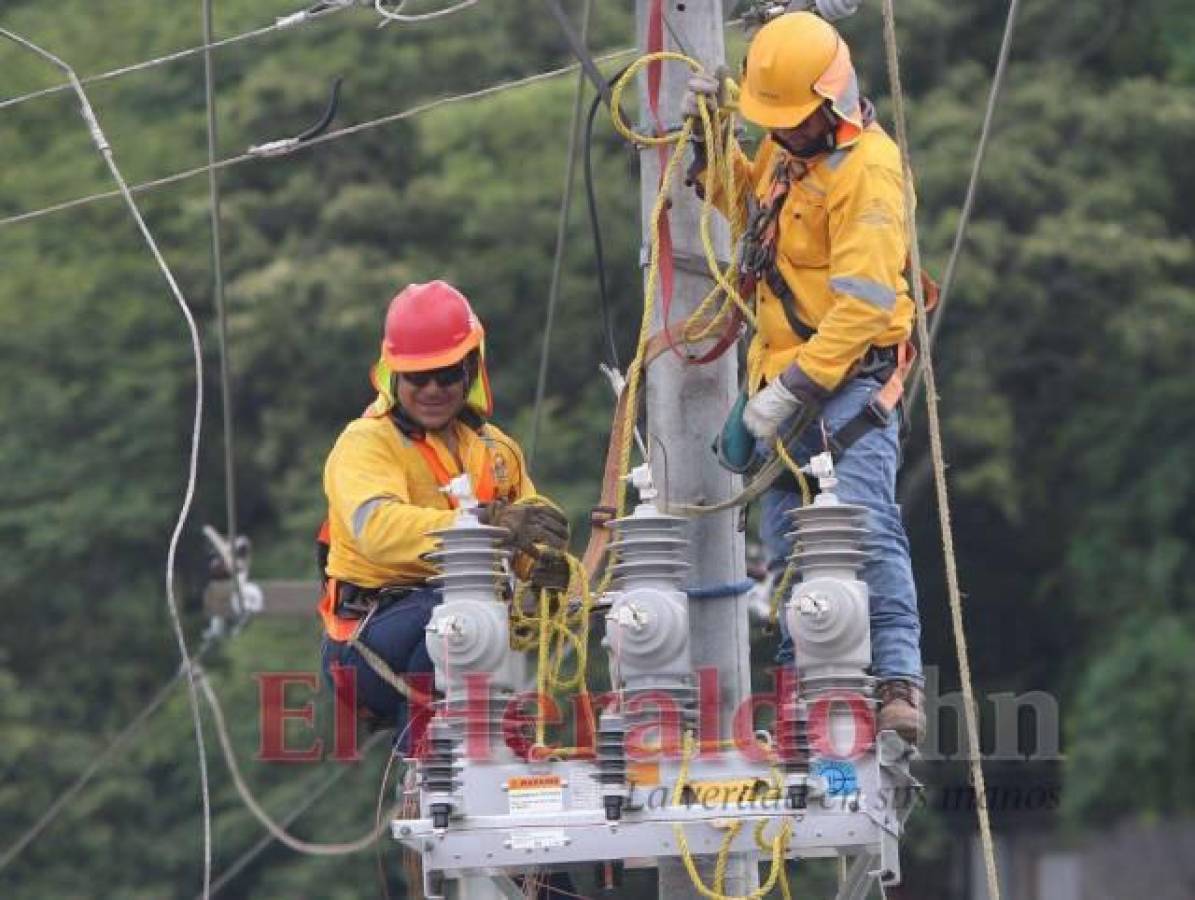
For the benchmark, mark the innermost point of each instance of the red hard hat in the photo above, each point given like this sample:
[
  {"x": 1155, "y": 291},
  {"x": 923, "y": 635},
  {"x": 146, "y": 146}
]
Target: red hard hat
[{"x": 429, "y": 326}]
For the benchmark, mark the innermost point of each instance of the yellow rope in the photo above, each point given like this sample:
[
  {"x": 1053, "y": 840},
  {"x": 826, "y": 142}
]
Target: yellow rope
[
  {"x": 938, "y": 457},
  {"x": 722, "y": 148},
  {"x": 790, "y": 570},
  {"x": 777, "y": 872},
  {"x": 557, "y": 627}
]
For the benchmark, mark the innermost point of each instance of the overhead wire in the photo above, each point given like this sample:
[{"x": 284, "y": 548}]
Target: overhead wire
[
  {"x": 337, "y": 134},
  {"x": 398, "y": 16},
  {"x": 277, "y": 831},
  {"x": 63, "y": 800},
  {"x": 318, "y": 11},
  {"x": 226, "y": 392},
  {"x": 595, "y": 227},
  {"x": 892, "y": 55},
  {"x": 964, "y": 220},
  {"x": 566, "y": 200},
  {"x": 105, "y": 149},
  {"x": 310, "y": 797}
]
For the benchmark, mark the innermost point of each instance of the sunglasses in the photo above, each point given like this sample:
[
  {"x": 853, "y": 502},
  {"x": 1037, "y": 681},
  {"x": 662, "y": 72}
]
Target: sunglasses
[{"x": 445, "y": 377}]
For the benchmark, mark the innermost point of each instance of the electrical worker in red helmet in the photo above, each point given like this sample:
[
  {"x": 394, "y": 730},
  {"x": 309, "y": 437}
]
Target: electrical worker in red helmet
[{"x": 384, "y": 482}]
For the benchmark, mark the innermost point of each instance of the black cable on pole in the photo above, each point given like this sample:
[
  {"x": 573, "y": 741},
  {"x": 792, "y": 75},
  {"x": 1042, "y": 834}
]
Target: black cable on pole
[
  {"x": 566, "y": 200},
  {"x": 226, "y": 396},
  {"x": 595, "y": 226}
]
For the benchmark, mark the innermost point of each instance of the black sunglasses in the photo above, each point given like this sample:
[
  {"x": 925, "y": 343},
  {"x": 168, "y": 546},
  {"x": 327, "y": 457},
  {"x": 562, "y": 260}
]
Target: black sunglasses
[{"x": 445, "y": 377}]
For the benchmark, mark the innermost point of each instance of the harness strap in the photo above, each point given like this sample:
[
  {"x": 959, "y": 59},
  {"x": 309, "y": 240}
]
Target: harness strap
[{"x": 485, "y": 490}]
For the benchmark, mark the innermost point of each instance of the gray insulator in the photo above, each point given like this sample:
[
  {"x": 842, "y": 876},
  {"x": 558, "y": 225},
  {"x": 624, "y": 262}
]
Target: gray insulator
[
  {"x": 656, "y": 708},
  {"x": 611, "y": 764},
  {"x": 649, "y": 549},
  {"x": 440, "y": 767},
  {"x": 469, "y": 560},
  {"x": 792, "y": 745},
  {"x": 829, "y": 540}
]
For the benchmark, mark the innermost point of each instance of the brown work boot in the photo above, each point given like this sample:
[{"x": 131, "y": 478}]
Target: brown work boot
[{"x": 901, "y": 709}]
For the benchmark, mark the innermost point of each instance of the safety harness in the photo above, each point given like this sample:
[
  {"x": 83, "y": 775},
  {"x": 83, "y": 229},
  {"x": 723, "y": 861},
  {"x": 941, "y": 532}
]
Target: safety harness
[{"x": 887, "y": 365}]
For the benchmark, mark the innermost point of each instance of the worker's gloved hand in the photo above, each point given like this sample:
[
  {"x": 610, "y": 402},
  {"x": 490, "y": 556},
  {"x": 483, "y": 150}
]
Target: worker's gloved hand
[
  {"x": 550, "y": 571},
  {"x": 711, "y": 87},
  {"x": 528, "y": 523},
  {"x": 783, "y": 398}
]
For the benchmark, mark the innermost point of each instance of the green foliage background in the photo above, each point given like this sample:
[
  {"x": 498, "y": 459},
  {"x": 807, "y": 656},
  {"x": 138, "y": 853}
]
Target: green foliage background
[{"x": 1070, "y": 410}]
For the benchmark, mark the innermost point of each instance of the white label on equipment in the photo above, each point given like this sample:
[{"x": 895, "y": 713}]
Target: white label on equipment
[
  {"x": 585, "y": 792},
  {"x": 536, "y": 794},
  {"x": 537, "y": 840}
]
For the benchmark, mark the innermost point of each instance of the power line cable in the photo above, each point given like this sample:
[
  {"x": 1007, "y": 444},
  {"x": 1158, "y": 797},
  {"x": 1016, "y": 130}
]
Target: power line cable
[
  {"x": 397, "y": 16},
  {"x": 964, "y": 221},
  {"x": 595, "y": 227},
  {"x": 117, "y": 743},
  {"x": 229, "y": 162},
  {"x": 310, "y": 797},
  {"x": 230, "y": 475},
  {"x": 319, "y": 11},
  {"x": 566, "y": 200},
  {"x": 105, "y": 149},
  {"x": 307, "y": 848}
]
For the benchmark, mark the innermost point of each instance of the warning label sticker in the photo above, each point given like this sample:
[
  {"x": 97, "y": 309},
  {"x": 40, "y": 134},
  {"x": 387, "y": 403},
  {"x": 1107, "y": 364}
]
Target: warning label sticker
[{"x": 536, "y": 794}]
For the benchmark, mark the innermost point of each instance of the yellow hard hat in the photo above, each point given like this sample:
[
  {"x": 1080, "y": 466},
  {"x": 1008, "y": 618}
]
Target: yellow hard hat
[{"x": 785, "y": 61}]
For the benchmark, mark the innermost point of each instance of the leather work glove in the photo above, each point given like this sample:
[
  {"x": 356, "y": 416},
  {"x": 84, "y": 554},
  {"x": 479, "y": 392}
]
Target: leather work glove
[
  {"x": 782, "y": 399},
  {"x": 706, "y": 86},
  {"x": 550, "y": 571},
  {"x": 528, "y": 523}
]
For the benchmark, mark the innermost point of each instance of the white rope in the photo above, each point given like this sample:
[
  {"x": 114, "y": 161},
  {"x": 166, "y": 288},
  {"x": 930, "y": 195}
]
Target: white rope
[
  {"x": 308, "y": 848},
  {"x": 310, "y": 796},
  {"x": 105, "y": 149},
  {"x": 397, "y": 16},
  {"x": 939, "y": 463},
  {"x": 280, "y": 24},
  {"x": 411, "y": 112}
]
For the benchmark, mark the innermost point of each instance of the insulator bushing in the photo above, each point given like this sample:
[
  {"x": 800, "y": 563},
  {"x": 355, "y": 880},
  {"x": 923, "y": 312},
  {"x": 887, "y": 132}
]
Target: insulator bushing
[
  {"x": 649, "y": 549},
  {"x": 611, "y": 764},
  {"x": 828, "y": 540},
  {"x": 469, "y": 560},
  {"x": 440, "y": 768},
  {"x": 794, "y": 749}
]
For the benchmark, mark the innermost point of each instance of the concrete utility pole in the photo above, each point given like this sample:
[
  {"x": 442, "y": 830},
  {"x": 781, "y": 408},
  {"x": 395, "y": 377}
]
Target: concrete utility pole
[{"x": 687, "y": 404}]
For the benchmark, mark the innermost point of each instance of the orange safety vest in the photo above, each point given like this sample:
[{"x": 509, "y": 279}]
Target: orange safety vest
[{"x": 340, "y": 629}]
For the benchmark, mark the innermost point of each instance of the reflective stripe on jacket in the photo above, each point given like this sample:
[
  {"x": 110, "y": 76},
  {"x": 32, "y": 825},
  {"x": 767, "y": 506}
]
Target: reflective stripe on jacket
[
  {"x": 842, "y": 251},
  {"x": 384, "y": 499}
]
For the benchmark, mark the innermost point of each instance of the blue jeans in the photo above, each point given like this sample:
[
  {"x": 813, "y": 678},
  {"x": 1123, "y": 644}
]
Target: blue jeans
[
  {"x": 395, "y": 633},
  {"x": 866, "y": 477}
]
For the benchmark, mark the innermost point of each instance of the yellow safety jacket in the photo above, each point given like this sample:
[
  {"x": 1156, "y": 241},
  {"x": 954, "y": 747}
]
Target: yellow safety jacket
[
  {"x": 841, "y": 250},
  {"x": 384, "y": 499}
]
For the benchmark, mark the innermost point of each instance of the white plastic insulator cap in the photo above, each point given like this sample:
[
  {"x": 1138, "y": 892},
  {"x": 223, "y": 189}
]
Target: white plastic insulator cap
[
  {"x": 252, "y": 600},
  {"x": 641, "y": 480},
  {"x": 461, "y": 490}
]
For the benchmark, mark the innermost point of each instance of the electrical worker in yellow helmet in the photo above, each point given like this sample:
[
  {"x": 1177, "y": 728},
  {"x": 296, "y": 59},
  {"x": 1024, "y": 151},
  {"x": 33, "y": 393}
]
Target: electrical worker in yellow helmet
[
  {"x": 384, "y": 481},
  {"x": 825, "y": 250}
]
